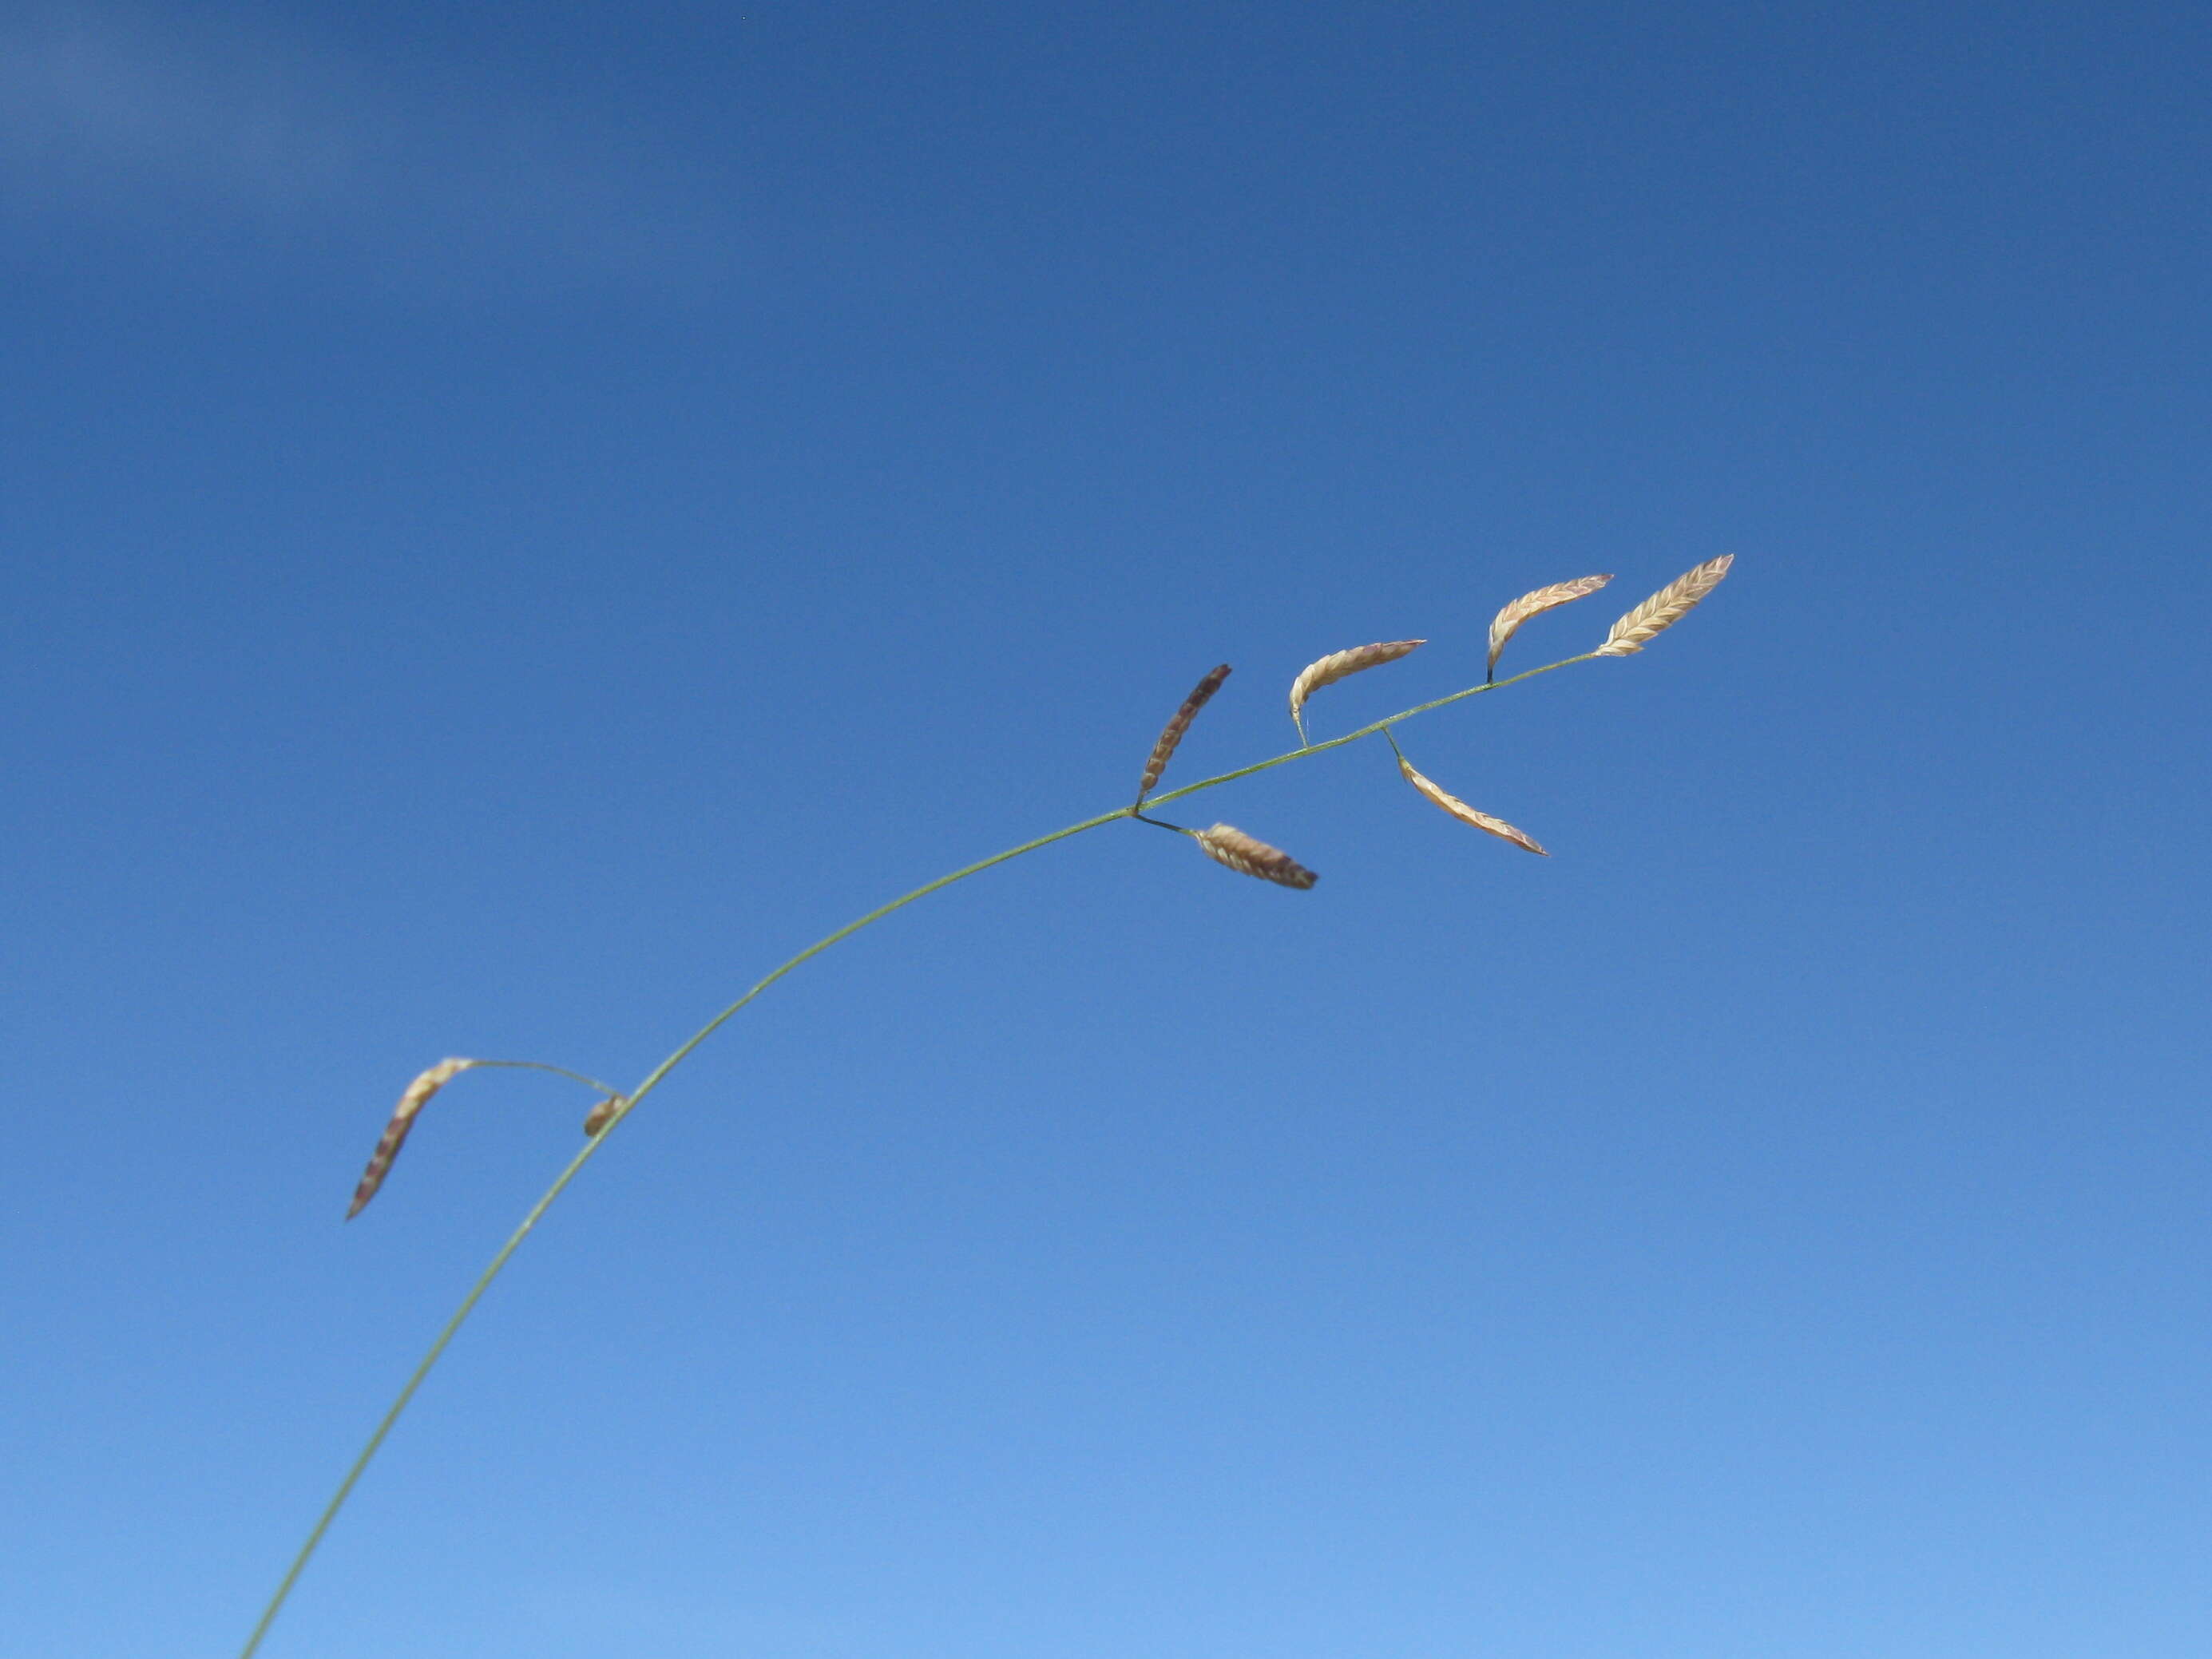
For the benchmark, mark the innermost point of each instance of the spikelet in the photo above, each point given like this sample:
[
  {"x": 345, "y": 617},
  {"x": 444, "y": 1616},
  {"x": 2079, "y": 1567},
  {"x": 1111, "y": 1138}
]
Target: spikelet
[
  {"x": 1665, "y": 608},
  {"x": 601, "y": 1114},
  {"x": 1225, "y": 844},
  {"x": 1507, "y": 623},
  {"x": 1338, "y": 664},
  {"x": 1171, "y": 734},
  {"x": 1466, "y": 814},
  {"x": 395, "y": 1133}
]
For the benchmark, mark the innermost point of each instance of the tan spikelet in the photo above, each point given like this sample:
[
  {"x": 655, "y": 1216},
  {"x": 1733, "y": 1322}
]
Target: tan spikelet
[
  {"x": 1225, "y": 844},
  {"x": 1338, "y": 664},
  {"x": 1171, "y": 734},
  {"x": 1466, "y": 814},
  {"x": 601, "y": 1114},
  {"x": 395, "y": 1133},
  {"x": 1665, "y": 608},
  {"x": 1507, "y": 623}
]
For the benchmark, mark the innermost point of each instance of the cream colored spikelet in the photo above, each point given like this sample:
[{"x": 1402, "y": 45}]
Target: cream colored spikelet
[
  {"x": 1466, "y": 814},
  {"x": 1665, "y": 608},
  {"x": 1339, "y": 664},
  {"x": 1507, "y": 623}
]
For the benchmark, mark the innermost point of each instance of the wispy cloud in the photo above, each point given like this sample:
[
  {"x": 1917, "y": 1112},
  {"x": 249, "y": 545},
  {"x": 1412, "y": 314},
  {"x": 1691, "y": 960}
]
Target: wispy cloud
[{"x": 185, "y": 130}]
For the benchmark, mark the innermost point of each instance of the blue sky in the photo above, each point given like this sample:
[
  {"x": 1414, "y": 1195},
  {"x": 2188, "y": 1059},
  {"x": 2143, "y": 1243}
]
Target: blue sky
[{"x": 519, "y": 518}]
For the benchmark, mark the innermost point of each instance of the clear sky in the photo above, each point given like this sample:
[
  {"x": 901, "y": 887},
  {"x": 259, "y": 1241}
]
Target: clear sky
[{"x": 518, "y": 518}]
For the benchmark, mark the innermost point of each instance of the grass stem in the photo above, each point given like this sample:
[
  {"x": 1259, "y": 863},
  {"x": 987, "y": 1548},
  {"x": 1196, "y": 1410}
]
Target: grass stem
[{"x": 575, "y": 1165}]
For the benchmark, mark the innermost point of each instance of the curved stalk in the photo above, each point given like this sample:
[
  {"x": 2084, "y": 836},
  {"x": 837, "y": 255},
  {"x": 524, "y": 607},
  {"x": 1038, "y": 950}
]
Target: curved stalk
[
  {"x": 574, "y": 1167},
  {"x": 540, "y": 1065}
]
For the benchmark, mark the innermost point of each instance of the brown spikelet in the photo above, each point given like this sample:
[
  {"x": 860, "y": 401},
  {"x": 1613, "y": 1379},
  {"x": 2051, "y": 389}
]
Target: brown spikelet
[
  {"x": 601, "y": 1114},
  {"x": 1466, "y": 814},
  {"x": 1171, "y": 733},
  {"x": 1338, "y": 664},
  {"x": 1225, "y": 844},
  {"x": 395, "y": 1133},
  {"x": 1507, "y": 623},
  {"x": 1665, "y": 608}
]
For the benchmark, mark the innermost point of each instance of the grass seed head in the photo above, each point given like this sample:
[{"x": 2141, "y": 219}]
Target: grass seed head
[
  {"x": 1507, "y": 623},
  {"x": 1171, "y": 734},
  {"x": 601, "y": 1114},
  {"x": 1338, "y": 664},
  {"x": 1665, "y": 608},
  {"x": 1466, "y": 814},
  {"x": 1226, "y": 844},
  {"x": 395, "y": 1133}
]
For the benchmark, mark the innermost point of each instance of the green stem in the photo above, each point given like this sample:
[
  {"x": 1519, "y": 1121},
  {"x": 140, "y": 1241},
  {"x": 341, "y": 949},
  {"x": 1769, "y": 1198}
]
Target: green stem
[{"x": 453, "y": 1326}]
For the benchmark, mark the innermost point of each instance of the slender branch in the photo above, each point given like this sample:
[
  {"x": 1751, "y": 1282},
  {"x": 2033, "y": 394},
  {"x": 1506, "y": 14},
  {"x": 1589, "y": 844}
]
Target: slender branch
[
  {"x": 540, "y": 1065},
  {"x": 453, "y": 1326}
]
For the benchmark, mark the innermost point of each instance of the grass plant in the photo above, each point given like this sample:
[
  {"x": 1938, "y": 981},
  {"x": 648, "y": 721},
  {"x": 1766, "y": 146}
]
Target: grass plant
[{"x": 1225, "y": 844}]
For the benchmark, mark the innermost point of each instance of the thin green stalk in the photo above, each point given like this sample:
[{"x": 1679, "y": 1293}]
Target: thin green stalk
[
  {"x": 540, "y": 1065},
  {"x": 575, "y": 1165}
]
